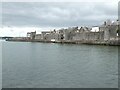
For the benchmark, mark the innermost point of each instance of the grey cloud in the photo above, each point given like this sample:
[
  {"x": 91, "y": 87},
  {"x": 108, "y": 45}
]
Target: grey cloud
[{"x": 50, "y": 14}]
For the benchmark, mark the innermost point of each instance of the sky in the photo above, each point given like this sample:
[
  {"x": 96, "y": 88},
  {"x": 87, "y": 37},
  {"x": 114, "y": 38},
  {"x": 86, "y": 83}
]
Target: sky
[{"x": 18, "y": 18}]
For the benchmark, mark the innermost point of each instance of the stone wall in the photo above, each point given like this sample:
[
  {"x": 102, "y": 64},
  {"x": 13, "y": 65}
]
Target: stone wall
[
  {"x": 105, "y": 33},
  {"x": 113, "y": 32},
  {"x": 38, "y": 36},
  {"x": 88, "y": 36}
]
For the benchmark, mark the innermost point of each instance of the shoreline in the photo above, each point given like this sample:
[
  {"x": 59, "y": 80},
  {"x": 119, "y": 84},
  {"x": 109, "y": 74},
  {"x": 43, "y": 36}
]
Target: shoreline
[{"x": 88, "y": 42}]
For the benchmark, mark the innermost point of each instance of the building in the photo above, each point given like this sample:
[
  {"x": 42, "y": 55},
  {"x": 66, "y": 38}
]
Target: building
[
  {"x": 38, "y": 36},
  {"x": 31, "y": 35},
  {"x": 108, "y": 32},
  {"x": 49, "y": 35}
]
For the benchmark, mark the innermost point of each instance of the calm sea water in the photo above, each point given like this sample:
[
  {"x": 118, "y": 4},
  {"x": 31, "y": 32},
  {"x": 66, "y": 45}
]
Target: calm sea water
[{"x": 43, "y": 65}]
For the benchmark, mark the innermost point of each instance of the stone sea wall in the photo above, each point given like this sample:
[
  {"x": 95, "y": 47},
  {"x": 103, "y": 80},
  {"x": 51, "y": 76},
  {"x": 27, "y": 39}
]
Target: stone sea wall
[{"x": 107, "y": 34}]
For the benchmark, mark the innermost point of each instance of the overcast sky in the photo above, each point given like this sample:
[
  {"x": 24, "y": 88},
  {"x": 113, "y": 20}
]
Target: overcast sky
[{"x": 57, "y": 15}]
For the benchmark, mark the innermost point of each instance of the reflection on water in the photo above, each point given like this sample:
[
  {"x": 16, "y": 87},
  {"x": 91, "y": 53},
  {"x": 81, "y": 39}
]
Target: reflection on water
[{"x": 59, "y": 65}]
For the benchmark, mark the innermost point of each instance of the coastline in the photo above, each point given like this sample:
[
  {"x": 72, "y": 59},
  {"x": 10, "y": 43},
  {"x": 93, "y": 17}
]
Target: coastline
[
  {"x": 106, "y": 34},
  {"x": 88, "y": 42}
]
